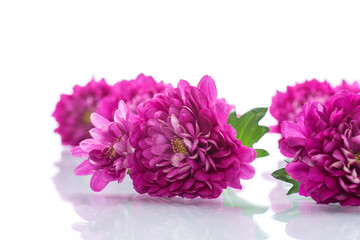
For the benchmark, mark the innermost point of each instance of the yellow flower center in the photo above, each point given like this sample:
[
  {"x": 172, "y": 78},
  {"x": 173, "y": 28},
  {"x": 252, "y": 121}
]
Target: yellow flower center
[
  {"x": 111, "y": 154},
  {"x": 178, "y": 146},
  {"x": 86, "y": 117},
  {"x": 112, "y": 151},
  {"x": 357, "y": 157}
]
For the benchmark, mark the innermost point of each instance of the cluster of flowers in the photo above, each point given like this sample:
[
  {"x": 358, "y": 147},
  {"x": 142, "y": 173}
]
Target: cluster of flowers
[
  {"x": 172, "y": 141},
  {"x": 320, "y": 126},
  {"x": 176, "y": 141},
  {"x": 286, "y": 106}
]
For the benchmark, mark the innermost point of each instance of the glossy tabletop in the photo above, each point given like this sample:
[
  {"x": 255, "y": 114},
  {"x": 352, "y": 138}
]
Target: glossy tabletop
[{"x": 260, "y": 211}]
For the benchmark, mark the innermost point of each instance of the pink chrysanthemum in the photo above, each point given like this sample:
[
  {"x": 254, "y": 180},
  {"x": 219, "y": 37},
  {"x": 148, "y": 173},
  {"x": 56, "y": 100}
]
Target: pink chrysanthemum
[
  {"x": 354, "y": 87},
  {"x": 286, "y": 106},
  {"x": 132, "y": 92},
  {"x": 73, "y": 111},
  {"x": 183, "y": 146},
  {"x": 108, "y": 151},
  {"x": 325, "y": 145}
]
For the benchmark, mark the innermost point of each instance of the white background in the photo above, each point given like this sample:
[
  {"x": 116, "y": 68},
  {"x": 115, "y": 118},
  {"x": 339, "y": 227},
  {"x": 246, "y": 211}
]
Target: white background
[{"x": 250, "y": 48}]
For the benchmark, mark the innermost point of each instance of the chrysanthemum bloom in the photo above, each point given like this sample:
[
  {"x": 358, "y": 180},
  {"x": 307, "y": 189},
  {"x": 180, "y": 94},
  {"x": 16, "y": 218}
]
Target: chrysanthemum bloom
[
  {"x": 354, "y": 87},
  {"x": 183, "y": 146},
  {"x": 286, "y": 106},
  {"x": 73, "y": 111},
  {"x": 132, "y": 92},
  {"x": 325, "y": 145},
  {"x": 108, "y": 152}
]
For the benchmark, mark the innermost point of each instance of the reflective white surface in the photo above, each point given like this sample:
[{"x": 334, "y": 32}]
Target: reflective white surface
[{"x": 120, "y": 213}]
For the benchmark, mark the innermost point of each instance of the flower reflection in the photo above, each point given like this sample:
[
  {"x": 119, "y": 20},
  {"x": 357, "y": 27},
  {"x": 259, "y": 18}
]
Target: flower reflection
[
  {"x": 74, "y": 188},
  {"x": 324, "y": 222},
  {"x": 278, "y": 199},
  {"x": 143, "y": 217},
  {"x": 307, "y": 220},
  {"x": 120, "y": 213}
]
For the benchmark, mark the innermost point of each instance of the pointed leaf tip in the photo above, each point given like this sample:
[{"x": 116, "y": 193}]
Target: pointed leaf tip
[
  {"x": 261, "y": 153},
  {"x": 247, "y": 126},
  {"x": 282, "y": 175}
]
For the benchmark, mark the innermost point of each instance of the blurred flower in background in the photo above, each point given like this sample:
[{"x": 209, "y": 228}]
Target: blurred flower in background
[
  {"x": 132, "y": 92},
  {"x": 73, "y": 111},
  {"x": 287, "y": 105}
]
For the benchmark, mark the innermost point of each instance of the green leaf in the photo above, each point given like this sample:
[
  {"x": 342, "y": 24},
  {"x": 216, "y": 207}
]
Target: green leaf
[
  {"x": 261, "y": 153},
  {"x": 247, "y": 126},
  {"x": 282, "y": 175},
  {"x": 248, "y": 129}
]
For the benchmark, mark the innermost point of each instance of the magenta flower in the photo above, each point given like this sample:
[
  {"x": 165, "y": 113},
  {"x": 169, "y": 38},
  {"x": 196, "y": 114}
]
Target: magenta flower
[
  {"x": 183, "y": 146},
  {"x": 354, "y": 87},
  {"x": 286, "y": 106},
  {"x": 73, "y": 111},
  {"x": 132, "y": 92},
  {"x": 108, "y": 152},
  {"x": 325, "y": 145}
]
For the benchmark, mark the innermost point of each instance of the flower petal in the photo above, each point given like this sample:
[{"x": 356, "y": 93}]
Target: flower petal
[
  {"x": 97, "y": 182},
  {"x": 98, "y": 121},
  {"x": 122, "y": 112},
  {"x": 85, "y": 168},
  {"x": 208, "y": 86},
  {"x": 78, "y": 152}
]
